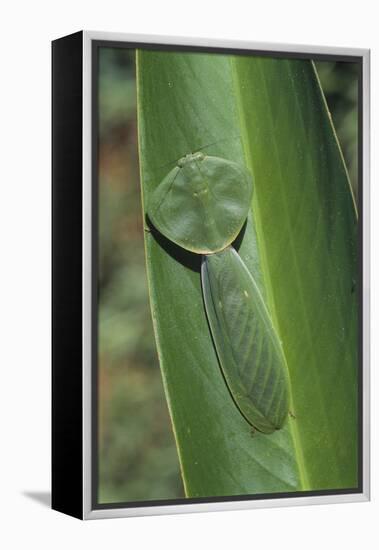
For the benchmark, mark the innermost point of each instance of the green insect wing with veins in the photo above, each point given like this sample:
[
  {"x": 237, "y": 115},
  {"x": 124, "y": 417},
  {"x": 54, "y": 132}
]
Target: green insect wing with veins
[{"x": 202, "y": 205}]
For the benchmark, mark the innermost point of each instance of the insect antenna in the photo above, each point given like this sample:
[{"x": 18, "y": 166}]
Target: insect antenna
[
  {"x": 216, "y": 142},
  {"x": 174, "y": 161}
]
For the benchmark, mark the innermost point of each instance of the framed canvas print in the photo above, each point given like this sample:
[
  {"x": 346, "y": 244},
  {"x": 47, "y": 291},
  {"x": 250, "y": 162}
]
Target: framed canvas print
[{"x": 210, "y": 275}]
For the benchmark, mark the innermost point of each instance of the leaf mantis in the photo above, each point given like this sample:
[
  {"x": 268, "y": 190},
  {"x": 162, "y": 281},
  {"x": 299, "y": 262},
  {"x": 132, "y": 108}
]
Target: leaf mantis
[{"x": 202, "y": 205}]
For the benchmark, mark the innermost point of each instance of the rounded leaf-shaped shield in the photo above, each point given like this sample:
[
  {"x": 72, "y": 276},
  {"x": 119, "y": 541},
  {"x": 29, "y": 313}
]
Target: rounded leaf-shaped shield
[{"x": 202, "y": 203}]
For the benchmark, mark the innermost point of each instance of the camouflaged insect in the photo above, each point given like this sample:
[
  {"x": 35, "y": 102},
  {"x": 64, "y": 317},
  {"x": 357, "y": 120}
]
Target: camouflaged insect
[{"x": 202, "y": 205}]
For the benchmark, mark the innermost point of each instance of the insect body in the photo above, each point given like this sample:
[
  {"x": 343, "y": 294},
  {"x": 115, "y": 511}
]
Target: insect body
[{"x": 201, "y": 205}]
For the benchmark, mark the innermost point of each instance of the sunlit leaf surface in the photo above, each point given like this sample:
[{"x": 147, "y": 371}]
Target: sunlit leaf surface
[{"x": 299, "y": 243}]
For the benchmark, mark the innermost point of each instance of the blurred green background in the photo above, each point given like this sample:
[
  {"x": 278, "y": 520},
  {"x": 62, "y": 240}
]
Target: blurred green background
[{"x": 137, "y": 454}]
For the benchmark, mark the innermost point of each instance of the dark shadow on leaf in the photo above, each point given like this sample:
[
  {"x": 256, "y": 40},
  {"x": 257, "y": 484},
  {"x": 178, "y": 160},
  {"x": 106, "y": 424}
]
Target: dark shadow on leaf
[
  {"x": 238, "y": 241},
  {"x": 187, "y": 259}
]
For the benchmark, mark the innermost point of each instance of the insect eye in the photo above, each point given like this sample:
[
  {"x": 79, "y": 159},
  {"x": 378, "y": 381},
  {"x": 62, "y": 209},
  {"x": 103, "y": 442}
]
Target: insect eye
[
  {"x": 190, "y": 158},
  {"x": 198, "y": 156}
]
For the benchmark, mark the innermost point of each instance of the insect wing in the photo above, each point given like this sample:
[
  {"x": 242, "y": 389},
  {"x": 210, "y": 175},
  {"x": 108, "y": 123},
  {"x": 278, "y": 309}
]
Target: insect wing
[{"x": 247, "y": 345}]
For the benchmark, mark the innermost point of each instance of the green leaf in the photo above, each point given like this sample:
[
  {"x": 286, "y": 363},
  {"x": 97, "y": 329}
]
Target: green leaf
[
  {"x": 306, "y": 222},
  {"x": 298, "y": 243}
]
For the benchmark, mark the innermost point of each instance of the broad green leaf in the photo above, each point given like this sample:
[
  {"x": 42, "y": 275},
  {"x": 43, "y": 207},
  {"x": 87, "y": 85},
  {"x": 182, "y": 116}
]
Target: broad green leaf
[
  {"x": 298, "y": 243},
  {"x": 306, "y": 223}
]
